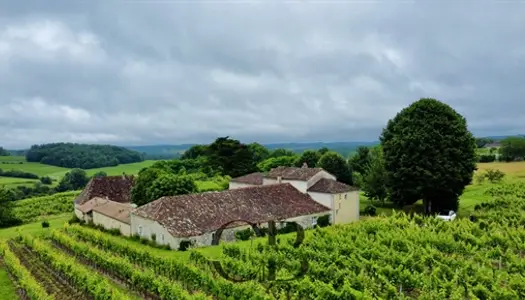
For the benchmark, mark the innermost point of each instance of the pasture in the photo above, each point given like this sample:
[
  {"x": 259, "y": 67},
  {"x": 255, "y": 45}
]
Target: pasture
[
  {"x": 19, "y": 163},
  {"x": 473, "y": 194}
]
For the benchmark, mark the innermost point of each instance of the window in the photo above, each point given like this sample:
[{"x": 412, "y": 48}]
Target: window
[
  {"x": 140, "y": 230},
  {"x": 314, "y": 221},
  {"x": 345, "y": 196},
  {"x": 162, "y": 237}
]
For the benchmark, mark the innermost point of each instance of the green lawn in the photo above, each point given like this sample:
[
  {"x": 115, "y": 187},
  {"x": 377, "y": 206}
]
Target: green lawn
[
  {"x": 35, "y": 229},
  {"x": 58, "y": 172}
]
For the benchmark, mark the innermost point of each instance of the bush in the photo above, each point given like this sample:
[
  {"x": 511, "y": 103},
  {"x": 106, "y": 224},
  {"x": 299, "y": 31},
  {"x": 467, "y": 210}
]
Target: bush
[
  {"x": 74, "y": 219},
  {"x": 323, "y": 221},
  {"x": 184, "y": 245},
  {"x": 46, "y": 180},
  {"x": 45, "y": 224},
  {"x": 494, "y": 175},
  {"x": 153, "y": 237},
  {"x": 244, "y": 235},
  {"x": 370, "y": 210},
  {"x": 485, "y": 158}
]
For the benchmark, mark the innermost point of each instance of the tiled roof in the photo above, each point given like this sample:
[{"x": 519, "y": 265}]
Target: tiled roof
[
  {"x": 88, "y": 206},
  {"x": 195, "y": 214},
  {"x": 114, "y": 188},
  {"x": 115, "y": 210},
  {"x": 253, "y": 178},
  {"x": 293, "y": 173},
  {"x": 330, "y": 186}
]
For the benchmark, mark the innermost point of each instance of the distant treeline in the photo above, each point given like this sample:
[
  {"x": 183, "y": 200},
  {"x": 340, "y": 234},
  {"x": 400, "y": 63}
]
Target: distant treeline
[
  {"x": 18, "y": 174},
  {"x": 83, "y": 156}
]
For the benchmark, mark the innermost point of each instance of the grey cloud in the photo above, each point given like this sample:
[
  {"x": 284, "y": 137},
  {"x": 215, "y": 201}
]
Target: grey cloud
[{"x": 181, "y": 72}]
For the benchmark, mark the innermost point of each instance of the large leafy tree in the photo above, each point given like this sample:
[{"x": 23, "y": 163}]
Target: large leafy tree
[
  {"x": 75, "y": 179},
  {"x": 310, "y": 157},
  {"x": 195, "y": 151},
  {"x": 429, "y": 154},
  {"x": 374, "y": 178},
  {"x": 7, "y": 218},
  {"x": 231, "y": 157},
  {"x": 335, "y": 164},
  {"x": 146, "y": 177},
  {"x": 360, "y": 160},
  {"x": 274, "y": 162},
  {"x": 259, "y": 152},
  {"x": 512, "y": 148},
  {"x": 170, "y": 185}
]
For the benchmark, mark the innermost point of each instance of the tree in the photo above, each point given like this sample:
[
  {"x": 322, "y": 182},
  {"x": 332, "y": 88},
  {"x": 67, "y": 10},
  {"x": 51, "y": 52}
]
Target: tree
[
  {"x": 7, "y": 218},
  {"x": 481, "y": 142},
  {"x": 4, "y": 152},
  {"x": 281, "y": 152},
  {"x": 195, "y": 152},
  {"x": 512, "y": 148},
  {"x": 274, "y": 162},
  {"x": 374, "y": 178},
  {"x": 146, "y": 177},
  {"x": 259, "y": 152},
  {"x": 231, "y": 157},
  {"x": 360, "y": 160},
  {"x": 100, "y": 174},
  {"x": 310, "y": 157},
  {"x": 75, "y": 179},
  {"x": 170, "y": 185},
  {"x": 335, "y": 164},
  {"x": 429, "y": 154},
  {"x": 323, "y": 150}
]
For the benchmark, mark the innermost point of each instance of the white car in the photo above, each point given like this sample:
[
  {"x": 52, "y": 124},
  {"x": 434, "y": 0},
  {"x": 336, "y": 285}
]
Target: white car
[{"x": 447, "y": 217}]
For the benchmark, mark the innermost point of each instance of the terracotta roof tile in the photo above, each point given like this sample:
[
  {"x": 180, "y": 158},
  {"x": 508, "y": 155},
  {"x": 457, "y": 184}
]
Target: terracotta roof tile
[
  {"x": 195, "y": 214},
  {"x": 293, "y": 173},
  {"x": 253, "y": 178},
  {"x": 331, "y": 186},
  {"x": 114, "y": 188},
  {"x": 88, "y": 206},
  {"x": 115, "y": 210}
]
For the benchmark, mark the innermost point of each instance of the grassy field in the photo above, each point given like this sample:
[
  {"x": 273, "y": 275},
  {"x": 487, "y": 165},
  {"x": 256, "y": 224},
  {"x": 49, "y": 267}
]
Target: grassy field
[
  {"x": 473, "y": 193},
  {"x": 8, "y": 163}
]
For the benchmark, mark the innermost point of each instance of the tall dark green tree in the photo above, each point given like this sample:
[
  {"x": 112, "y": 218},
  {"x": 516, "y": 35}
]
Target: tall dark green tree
[
  {"x": 7, "y": 217},
  {"x": 259, "y": 152},
  {"x": 310, "y": 157},
  {"x": 429, "y": 154},
  {"x": 170, "y": 185},
  {"x": 4, "y": 152},
  {"x": 195, "y": 152},
  {"x": 231, "y": 157},
  {"x": 75, "y": 179},
  {"x": 335, "y": 164},
  {"x": 374, "y": 179},
  {"x": 146, "y": 177},
  {"x": 360, "y": 160},
  {"x": 281, "y": 152},
  {"x": 512, "y": 148}
]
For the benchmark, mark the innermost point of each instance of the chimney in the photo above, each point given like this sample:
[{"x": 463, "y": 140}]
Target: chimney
[
  {"x": 305, "y": 165},
  {"x": 279, "y": 179}
]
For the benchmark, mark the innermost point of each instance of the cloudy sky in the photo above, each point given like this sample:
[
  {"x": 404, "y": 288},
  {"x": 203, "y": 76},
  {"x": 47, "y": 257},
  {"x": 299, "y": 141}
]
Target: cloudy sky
[{"x": 136, "y": 73}]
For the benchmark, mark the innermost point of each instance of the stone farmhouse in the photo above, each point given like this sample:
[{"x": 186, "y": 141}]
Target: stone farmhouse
[
  {"x": 323, "y": 187},
  {"x": 285, "y": 194},
  {"x": 106, "y": 201},
  {"x": 196, "y": 217}
]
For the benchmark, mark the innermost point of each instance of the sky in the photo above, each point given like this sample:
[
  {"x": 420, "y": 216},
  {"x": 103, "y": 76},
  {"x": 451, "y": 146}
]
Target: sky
[{"x": 174, "y": 72}]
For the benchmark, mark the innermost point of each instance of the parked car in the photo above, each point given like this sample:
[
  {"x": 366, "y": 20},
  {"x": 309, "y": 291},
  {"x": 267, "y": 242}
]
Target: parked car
[{"x": 447, "y": 216}]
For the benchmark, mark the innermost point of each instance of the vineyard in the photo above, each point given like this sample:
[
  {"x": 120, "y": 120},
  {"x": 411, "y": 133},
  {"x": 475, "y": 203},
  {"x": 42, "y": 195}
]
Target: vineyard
[
  {"x": 396, "y": 257},
  {"x": 31, "y": 209}
]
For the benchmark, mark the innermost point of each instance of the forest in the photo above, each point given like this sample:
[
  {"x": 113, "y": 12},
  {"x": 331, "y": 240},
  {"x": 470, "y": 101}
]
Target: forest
[{"x": 82, "y": 156}]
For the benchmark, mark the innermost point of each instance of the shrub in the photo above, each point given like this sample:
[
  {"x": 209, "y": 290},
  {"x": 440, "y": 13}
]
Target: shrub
[
  {"x": 45, "y": 224},
  {"x": 494, "y": 175},
  {"x": 184, "y": 245},
  {"x": 153, "y": 237},
  {"x": 323, "y": 221},
  {"x": 370, "y": 210},
  {"x": 46, "y": 180},
  {"x": 74, "y": 219},
  {"x": 485, "y": 158},
  {"x": 244, "y": 235}
]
